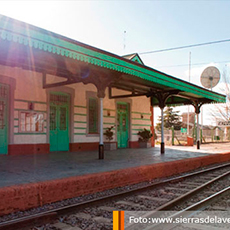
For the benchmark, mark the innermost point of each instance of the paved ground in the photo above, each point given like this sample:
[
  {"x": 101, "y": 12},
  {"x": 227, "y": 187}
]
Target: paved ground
[
  {"x": 207, "y": 148},
  {"x": 34, "y": 168}
]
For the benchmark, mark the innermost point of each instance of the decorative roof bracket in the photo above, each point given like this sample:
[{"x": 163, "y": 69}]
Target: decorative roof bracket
[
  {"x": 162, "y": 96},
  {"x": 86, "y": 76},
  {"x": 51, "y": 85},
  {"x": 197, "y": 105},
  {"x": 133, "y": 94}
]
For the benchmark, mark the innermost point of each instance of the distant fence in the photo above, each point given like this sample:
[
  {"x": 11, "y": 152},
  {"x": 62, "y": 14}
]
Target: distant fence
[{"x": 206, "y": 136}]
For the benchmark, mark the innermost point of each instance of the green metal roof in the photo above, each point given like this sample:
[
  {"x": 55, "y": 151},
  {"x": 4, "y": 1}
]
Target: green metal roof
[{"x": 27, "y": 35}]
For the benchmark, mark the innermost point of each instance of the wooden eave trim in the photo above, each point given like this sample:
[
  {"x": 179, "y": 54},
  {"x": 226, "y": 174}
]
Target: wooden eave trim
[{"x": 105, "y": 60}]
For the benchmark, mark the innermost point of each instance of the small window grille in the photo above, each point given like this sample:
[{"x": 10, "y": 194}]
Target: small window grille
[
  {"x": 2, "y": 112},
  {"x": 3, "y": 91},
  {"x": 53, "y": 117},
  {"x": 122, "y": 107},
  {"x": 59, "y": 99},
  {"x": 63, "y": 120},
  {"x": 93, "y": 115}
]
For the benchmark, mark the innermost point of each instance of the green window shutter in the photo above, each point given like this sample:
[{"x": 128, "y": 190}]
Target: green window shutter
[{"x": 93, "y": 115}]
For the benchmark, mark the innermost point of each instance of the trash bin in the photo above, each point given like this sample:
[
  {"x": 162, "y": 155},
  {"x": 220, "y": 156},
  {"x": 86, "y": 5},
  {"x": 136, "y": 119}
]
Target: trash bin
[{"x": 189, "y": 141}]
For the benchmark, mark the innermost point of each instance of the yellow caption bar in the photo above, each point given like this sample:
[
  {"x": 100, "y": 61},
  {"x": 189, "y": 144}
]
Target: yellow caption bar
[{"x": 118, "y": 220}]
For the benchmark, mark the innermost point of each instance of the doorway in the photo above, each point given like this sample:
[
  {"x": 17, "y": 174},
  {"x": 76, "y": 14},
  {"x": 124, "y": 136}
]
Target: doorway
[
  {"x": 4, "y": 108},
  {"x": 122, "y": 124},
  {"x": 59, "y": 121}
]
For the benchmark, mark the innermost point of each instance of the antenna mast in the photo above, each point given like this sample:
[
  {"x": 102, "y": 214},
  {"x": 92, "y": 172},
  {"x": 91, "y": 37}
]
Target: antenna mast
[
  {"x": 124, "y": 40},
  {"x": 189, "y": 78}
]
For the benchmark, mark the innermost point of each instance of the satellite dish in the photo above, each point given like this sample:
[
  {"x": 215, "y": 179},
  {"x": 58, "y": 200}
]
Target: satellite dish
[{"x": 210, "y": 77}]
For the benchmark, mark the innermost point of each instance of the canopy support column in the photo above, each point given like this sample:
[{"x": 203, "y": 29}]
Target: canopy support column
[
  {"x": 198, "y": 132},
  {"x": 101, "y": 81},
  {"x": 101, "y": 95},
  {"x": 101, "y": 143},
  {"x": 162, "y": 131},
  {"x": 197, "y": 105},
  {"x": 152, "y": 127},
  {"x": 162, "y": 98}
]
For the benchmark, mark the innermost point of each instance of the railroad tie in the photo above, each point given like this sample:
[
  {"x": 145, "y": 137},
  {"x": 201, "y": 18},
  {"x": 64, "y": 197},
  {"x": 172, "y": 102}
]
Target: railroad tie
[
  {"x": 203, "y": 227},
  {"x": 219, "y": 208},
  {"x": 64, "y": 226},
  {"x": 189, "y": 185},
  {"x": 128, "y": 203},
  {"x": 83, "y": 215},
  {"x": 100, "y": 219},
  {"x": 157, "y": 199},
  {"x": 108, "y": 209}
]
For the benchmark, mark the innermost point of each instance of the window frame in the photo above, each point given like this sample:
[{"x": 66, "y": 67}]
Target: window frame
[
  {"x": 92, "y": 95},
  {"x": 21, "y": 130}
]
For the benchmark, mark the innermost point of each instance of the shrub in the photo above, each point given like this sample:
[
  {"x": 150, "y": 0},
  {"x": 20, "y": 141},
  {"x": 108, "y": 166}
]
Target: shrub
[
  {"x": 109, "y": 133},
  {"x": 145, "y": 135}
]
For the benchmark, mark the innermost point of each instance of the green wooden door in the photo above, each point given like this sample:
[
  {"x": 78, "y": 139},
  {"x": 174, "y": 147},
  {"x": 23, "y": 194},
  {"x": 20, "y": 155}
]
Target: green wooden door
[
  {"x": 122, "y": 125},
  {"x": 4, "y": 98},
  {"x": 59, "y": 122}
]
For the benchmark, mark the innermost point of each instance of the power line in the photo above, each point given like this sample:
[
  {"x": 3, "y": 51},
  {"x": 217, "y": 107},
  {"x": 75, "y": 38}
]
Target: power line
[
  {"x": 181, "y": 65},
  {"x": 187, "y": 46}
]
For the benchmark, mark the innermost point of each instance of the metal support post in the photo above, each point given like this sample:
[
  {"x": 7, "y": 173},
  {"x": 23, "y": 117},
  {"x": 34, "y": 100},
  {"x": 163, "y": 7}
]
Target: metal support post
[
  {"x": 101, "y": 144},
  {"x": 162, "y": 98},
  {"x": 197, "y": 105},
  {"x": 162, "y": 132},
  {"x": 173, "y": 135},
  {"x": 197, "y": 132},
  {"x": 152, "y": 126}
]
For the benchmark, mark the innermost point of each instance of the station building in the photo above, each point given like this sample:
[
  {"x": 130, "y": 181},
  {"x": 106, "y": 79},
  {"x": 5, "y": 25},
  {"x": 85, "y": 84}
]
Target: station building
[{"x": 57, "y": 94}]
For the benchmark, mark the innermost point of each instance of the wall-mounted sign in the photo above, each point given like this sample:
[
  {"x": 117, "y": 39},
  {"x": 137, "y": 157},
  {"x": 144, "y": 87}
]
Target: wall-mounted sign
[
  {"x": 183, "y": 130},
  {"x": 224, "y": 123}
]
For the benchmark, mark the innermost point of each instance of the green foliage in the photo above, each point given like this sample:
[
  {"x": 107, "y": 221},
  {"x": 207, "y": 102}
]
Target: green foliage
[
  {"x": 171, "y": 118},
  {"x": 145, "y": 135},
  {"x": 155, "y": 136},
  {"x": 109, "y": 133}
]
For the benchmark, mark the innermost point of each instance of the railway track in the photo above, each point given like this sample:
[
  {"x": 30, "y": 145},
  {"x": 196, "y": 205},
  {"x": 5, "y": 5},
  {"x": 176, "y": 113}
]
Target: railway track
[
  {"x": 170, "y": 194},
  {"x": 210, "y": 213}
]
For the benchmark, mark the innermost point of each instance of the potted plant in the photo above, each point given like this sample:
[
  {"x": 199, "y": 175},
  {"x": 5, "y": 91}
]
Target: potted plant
[
  {"x": 109, "y": 137},
  {"x": 144, "y": 137}
]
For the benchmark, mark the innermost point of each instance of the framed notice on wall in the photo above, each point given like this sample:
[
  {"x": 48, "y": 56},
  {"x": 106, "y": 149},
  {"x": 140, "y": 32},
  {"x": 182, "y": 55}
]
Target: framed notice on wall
[{"x": 31, "y": 122}]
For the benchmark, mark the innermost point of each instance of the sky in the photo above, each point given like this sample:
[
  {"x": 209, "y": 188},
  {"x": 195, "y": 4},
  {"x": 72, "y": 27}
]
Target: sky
[{"x": 124, "y": 27}]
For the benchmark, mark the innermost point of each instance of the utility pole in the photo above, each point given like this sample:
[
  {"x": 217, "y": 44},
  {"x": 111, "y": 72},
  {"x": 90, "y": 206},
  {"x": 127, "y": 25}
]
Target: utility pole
[
  {"x": 124, "y": 41},
  {"x": 189, "y": 76}
]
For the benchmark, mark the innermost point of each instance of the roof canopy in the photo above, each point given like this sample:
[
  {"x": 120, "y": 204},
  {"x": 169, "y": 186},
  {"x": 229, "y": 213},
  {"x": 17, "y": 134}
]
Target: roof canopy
[{"x": 36, "y": 49}]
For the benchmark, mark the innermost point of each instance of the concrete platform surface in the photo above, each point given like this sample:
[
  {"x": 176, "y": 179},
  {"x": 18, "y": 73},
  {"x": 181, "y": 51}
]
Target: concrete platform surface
[
  {"x": 217, "y": 147},
  {"x": 15, "y": 170}
]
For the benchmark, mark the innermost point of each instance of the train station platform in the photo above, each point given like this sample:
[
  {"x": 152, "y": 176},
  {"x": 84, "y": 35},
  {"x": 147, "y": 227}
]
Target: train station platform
[
  {"x": 41, "y": 167},
  {"x": 46, "y": 178}
]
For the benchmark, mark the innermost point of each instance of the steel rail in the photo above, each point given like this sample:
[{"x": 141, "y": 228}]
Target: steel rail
[
  {"x": 47, "y": 215},
  {"x": 192, "y": 210},
  {"x": 24, "y": 222},
  {"x": 190, "y": 193},
  {"x": 181, "y": 199}
]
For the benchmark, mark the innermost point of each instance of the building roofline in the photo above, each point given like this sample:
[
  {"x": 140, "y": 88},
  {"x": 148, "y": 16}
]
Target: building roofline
[{"x": 10, "y": 21}]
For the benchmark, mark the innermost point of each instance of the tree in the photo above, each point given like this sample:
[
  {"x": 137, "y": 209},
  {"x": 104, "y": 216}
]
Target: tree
[
  {"x": 221, "y": 112},
  {"x": 171, "y": 118}
]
